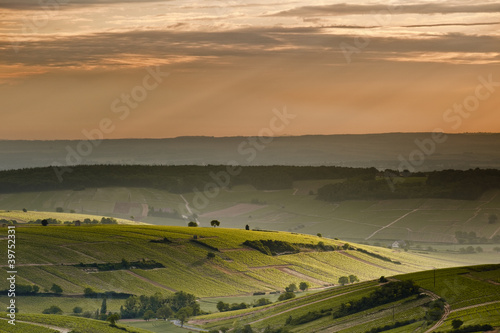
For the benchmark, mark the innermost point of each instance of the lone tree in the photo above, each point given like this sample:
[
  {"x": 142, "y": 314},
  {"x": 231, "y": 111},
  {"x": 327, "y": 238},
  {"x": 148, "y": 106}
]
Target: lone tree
[
  {"x": 56, "y": 289},
  {"x": 45, "y": 222},
  {"x": 343, "y": 280},
  {"x": 113, "y": 318},
  {"x": 247, "y": 227},
  {"x": 353, "y": 278},
  {"x": 192, "y": 224},
  {"x": 291, "y": 288},
  {"x": 304, "y": 286},
  {"x": 215, "y": 223},
  {"x": 77, "y": 310},
  {"x": 210, "y": 255},
  {"x": 456, "y": 323}
]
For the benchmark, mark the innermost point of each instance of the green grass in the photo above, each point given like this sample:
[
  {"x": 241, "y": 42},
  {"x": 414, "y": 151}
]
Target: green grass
[
  {"x": 35, "y": 304},
  {"x": 22, "y": 217},
  {"x": 156, "y": 326},
  {"x": 460, "y": 287},
  {"x": 82, "y": 325},
  {"x": 23, "y": 328}
]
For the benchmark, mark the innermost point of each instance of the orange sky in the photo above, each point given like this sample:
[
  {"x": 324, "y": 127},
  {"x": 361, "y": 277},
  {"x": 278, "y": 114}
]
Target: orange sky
[{"x": 94, "y": 66}]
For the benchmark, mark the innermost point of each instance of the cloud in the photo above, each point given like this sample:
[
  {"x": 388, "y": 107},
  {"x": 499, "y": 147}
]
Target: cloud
[
  {"x": 128, "y": 48},
  {"x": 449, "y": 24},
  {"x": 61, "y": 4},
  {"x": 350, "y": 9},
  {"x": 240, "y": 48}
]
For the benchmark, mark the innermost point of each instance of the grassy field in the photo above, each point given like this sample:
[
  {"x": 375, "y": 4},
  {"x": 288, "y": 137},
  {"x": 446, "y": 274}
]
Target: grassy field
[
  {"x": 418, "y": 220},
  {"x": 77, "y": 324},
  {"x": 23, "y": 217},
  {"x": 47, "y": 255},
  {"x": 469, "y": 291}
]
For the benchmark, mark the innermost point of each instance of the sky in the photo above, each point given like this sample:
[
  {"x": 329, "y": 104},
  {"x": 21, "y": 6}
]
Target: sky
[{"x": 76, "y": 69}]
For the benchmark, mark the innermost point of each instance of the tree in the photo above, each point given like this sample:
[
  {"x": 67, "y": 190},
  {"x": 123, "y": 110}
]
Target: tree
[
  {"x": 492, "y": 219},
  {"x": 247, "y": 329},
  {"x": 346, "y": 246},
  {"x": 215, "y": 223},
  {"x": 148, "y": 315},
  {"x": 343, "y": 280},
  {"x": 104, "y": 306},
  {"x": 164, "y": 312},
  {"x": 56, "y": 289},
  {"x": 77, "y": 310},
  {"x": 303, "y": 286},
  {"x": 247, "y": 227},
  {"x": 319, "y": 235},
  {"x": 25, "y": 210},
  {"x": 183, "y": 314},
  {"x": 54, "y": 309},
  {"x": 353, "y": 278},
  {"x": 192, "y": 224},
  {"x": 456, "y": 323},
  {"x": 88, "y": 292},
  {"x": 261, "y": 302},
  {"x": 222, "y": 307},
  {"x": 45, "y": 222},
  {"x": 479, "y": 249},
  {"x": 59, "y": 209},
  {"x": 113, "y": 318},
  {"x": 285, "y": 296},
  {"x": 210, "y": 255},
  {"x": 291, "y": 288}
]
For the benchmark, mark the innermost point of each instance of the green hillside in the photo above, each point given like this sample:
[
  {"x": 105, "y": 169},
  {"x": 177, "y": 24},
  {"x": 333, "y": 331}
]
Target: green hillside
[
  {"x": 39, "y": 323},
  {"x": 471, "y": 294},
  {"x": 70, "y": 257},
  {"x": 29, "y": 216}
]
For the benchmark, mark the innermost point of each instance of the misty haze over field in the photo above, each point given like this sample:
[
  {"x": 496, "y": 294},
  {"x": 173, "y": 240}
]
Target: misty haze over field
[{"x": 383, "y": 151}]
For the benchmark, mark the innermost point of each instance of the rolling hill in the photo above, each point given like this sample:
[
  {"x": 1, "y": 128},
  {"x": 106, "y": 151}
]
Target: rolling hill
[
  {"x": 70, "y": 257},
  {"x": 470, "y": 294}
]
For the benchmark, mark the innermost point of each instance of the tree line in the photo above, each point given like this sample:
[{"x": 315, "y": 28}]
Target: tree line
[
  {"x": 446, "y": 184},
  {"x": 175, "y": 179}
]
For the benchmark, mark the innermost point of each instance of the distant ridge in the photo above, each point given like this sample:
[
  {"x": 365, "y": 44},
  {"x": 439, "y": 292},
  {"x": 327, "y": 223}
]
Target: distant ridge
[{"x": 383, "y": 151}]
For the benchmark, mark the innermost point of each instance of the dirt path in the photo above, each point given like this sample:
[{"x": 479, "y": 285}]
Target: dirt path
[
  {"x": 390, "y": 224},
  {"x": 55, "y": 328},
  {"x": 302, "y": 276},
  {"x": 475, "y": 306},
  {"x": 189, "y": 208},
  {"x": 151, "y": 281},
  {"x": 367, "y": 262},
  {"x": 236, "y": 249},
  {"x": 447, "y": 311}
]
